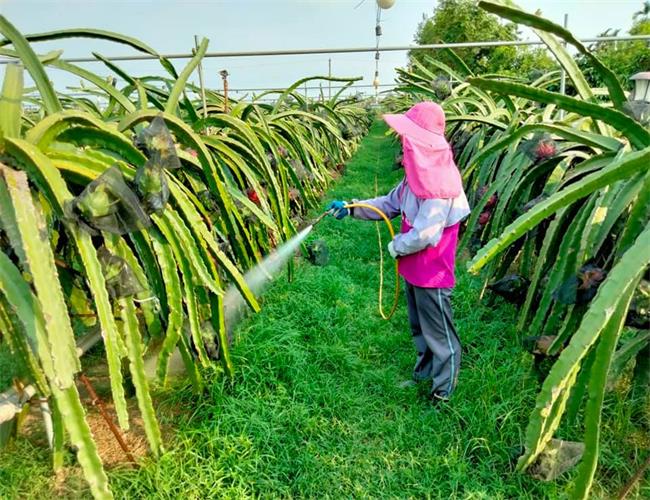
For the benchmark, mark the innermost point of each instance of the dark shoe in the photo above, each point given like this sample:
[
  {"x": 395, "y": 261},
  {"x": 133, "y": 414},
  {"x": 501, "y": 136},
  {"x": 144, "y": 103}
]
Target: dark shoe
[{"x": 439, "y": 400}]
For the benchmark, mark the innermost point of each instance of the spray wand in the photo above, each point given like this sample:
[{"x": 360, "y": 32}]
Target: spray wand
[{"x": 321, "y": 217}]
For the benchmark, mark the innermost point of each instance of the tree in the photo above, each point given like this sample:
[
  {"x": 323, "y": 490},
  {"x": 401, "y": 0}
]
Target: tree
[
  {"x": 623, "y": 58},
  {"x": 644, "y": 12},
  {"x": 464, "y": 21}
]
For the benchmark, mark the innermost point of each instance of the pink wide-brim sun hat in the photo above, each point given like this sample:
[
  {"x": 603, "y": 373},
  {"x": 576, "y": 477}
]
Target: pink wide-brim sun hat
[
  {"x": 424, "y": 122},
  {"x": 428, "y": 159}
]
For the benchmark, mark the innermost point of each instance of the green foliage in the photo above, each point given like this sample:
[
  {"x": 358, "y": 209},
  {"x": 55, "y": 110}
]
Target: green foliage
[
  {"x": 623, "y": 58},
  {"x": 11, "y": 101},
  {"x": 559, "y": 209},
  {"x": 99, "y": 221},
  {"x": 545, "y": 28},
  {"x": 463, "y": 21},
  {"x": 315, "y": 409}
]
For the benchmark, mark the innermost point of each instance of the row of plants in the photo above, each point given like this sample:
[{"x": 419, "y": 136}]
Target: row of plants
[
  {"x": 560, "y": 188},
  {"x": 131, "y": 218}
]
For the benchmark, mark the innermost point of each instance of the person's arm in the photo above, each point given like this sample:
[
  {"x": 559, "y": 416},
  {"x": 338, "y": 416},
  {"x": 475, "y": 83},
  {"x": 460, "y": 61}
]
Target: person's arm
[
  {"x": 389, "y": 204},
  {"x": 427, "y": 229}
]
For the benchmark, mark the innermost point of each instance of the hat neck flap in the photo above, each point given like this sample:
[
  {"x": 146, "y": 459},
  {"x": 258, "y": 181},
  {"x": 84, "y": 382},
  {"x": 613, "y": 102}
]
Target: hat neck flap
[{"x": 430, "y": 170}]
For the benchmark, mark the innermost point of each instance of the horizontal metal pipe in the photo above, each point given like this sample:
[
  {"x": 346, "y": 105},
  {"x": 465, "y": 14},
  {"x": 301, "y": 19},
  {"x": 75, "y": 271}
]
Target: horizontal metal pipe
[
  {"x": 261, "y": 89},
  {"x": 344, "y": 50},
  {"x": 312, "y": 88}
]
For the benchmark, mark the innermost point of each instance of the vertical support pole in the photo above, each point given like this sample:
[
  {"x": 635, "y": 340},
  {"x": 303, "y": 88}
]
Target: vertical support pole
[
  {"x": 224, "y": 76},
  {"x": 305, "y": 90},
  {"x": 378, "y": 33},
  {"x": 329, "y": 73},
  {"x": 47, "y": 421},
  {"x": 563, "y": 74},
  {"x": 205, "y": 106}
]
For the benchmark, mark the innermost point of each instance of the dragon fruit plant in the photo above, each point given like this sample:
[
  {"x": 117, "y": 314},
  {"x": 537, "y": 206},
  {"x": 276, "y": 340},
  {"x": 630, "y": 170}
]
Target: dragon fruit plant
[
  {"x": 157, "y": 204},
  {"x": 571, "y": 173}
]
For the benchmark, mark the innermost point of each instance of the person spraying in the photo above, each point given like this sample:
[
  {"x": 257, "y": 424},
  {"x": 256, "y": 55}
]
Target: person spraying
[{"x": 431, "y": 203}]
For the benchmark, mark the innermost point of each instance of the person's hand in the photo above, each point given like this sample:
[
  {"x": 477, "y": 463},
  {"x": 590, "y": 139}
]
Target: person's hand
[
  {"x": 337, "y": 207},
  {"x": 391, "y": 251}
]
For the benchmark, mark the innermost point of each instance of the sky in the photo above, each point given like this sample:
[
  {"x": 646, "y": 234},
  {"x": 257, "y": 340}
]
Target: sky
[{"x": 247, "y": 25}]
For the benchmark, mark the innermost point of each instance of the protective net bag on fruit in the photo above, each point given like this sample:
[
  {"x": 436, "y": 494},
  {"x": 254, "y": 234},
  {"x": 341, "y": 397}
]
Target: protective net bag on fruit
[
  {"x": 121, "y": 281},
  {"x": 157, "y": 143},
  {"x": 107, "y": 204},
  {"x": 558, "y": 457}
]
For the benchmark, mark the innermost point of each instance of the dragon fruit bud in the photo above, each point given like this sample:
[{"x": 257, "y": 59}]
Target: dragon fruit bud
[
  {"x": 484, "y": 218},
  {"x": 544, "y": 150},
  {"x": 252, "y": 195},
  {"x": 539, "y": 147},
  {"x": 492, "y": 200}
]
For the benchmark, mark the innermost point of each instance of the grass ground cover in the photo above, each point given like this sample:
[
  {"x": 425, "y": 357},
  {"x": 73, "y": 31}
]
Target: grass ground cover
[{"x": 315, "y": 411}]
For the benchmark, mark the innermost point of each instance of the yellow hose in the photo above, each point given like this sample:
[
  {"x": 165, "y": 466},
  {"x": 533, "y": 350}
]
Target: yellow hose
[{"x": 381, "y": 262}]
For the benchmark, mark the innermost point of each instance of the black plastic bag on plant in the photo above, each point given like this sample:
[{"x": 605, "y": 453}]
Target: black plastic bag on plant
[
  {"x": 512, "y": 287},
  {"x": 107, "y": 204},
  {"x": 582, "y": 287},
  {"x": 120, "y": 279}
]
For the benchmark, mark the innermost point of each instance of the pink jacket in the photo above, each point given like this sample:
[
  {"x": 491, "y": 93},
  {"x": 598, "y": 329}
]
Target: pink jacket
[{"x": 427, "y": 243}]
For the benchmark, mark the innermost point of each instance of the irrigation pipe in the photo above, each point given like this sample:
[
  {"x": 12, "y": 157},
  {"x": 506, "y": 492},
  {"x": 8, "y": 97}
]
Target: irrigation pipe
[
  {"x": 636, "y": 477},
  {"x": 96, "y": 401}
]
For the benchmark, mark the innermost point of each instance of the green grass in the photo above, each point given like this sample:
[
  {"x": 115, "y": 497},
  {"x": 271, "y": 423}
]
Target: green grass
[
  {"x": 7, "y": 368},
  {"x": 314, "y": 409}
]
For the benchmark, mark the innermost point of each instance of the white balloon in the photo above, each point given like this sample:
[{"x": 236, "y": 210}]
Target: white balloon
[{"x": 385, "y": 4}]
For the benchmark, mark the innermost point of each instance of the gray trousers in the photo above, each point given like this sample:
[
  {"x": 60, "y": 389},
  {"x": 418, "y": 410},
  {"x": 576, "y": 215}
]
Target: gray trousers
[{"x": 436, "y": 342}]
